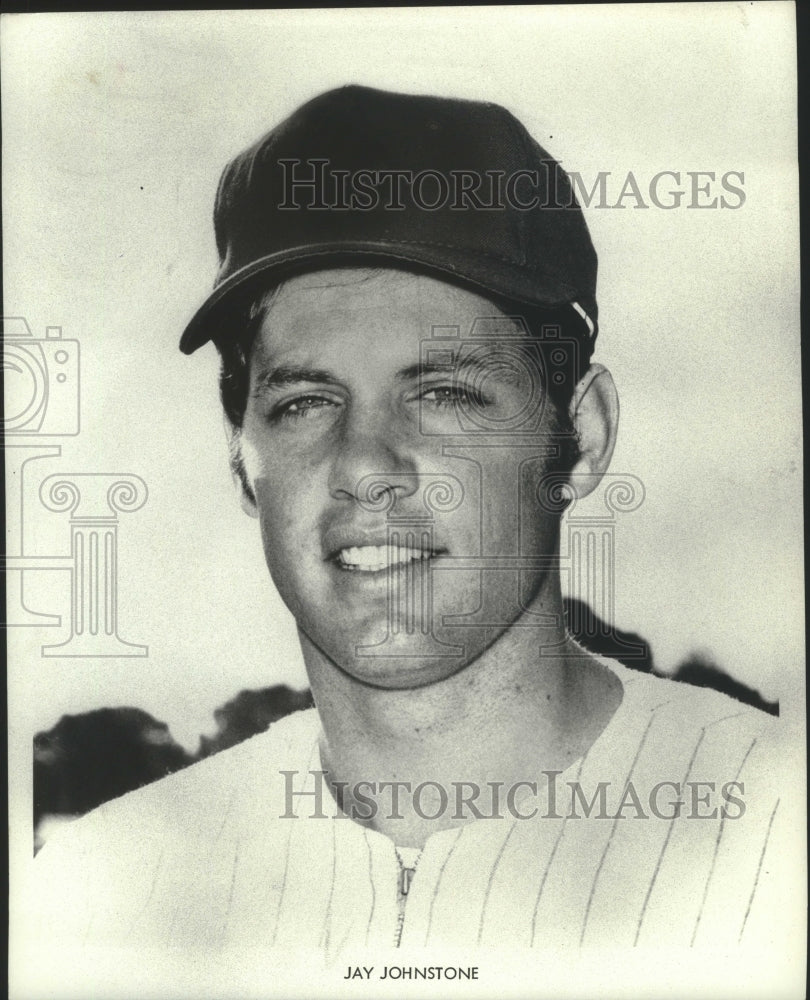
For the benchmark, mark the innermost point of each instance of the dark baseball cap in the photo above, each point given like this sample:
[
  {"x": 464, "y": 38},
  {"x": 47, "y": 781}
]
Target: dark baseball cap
[{"x": 362, "y": 177}]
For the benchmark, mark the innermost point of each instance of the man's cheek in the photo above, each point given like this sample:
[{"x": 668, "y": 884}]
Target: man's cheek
[
  {"x": 283, "y": 535},
  {"x": 288, "y": 526}
]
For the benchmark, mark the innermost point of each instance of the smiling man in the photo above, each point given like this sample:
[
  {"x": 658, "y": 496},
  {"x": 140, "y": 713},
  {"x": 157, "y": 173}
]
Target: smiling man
[
  {"x": 406, "y": 314},
  {"x": 348, "y": 424}
]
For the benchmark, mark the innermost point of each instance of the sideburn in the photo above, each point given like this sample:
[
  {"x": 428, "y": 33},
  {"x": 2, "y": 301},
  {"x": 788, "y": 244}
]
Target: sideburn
[{"x": 238, "y": 465}]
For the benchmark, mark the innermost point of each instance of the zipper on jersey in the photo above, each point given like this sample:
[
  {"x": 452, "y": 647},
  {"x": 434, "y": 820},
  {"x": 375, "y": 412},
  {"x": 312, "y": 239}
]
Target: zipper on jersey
[{"x": 406, "y": 874}]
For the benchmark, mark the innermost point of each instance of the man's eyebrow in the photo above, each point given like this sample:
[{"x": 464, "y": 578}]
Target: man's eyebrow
[
  {"x": 474, "y": 363},
  {"x": 286, "y": 375}
]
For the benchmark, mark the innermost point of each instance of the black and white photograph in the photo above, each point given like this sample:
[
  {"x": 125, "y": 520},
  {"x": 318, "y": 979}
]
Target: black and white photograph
[{"x": 403, "y": 466}]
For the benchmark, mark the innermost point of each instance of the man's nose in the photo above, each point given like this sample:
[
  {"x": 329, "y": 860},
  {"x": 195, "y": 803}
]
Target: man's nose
[{"x": 371, "y": 456}]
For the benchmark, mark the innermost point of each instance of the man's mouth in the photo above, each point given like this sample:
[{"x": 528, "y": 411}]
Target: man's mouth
[{"x": 373, "y": 558}]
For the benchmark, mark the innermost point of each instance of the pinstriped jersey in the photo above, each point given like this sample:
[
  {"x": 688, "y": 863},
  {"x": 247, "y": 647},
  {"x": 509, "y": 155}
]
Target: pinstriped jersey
[{"x": 664, "y": 835}]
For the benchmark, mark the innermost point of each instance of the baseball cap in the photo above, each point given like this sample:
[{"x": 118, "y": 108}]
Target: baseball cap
[{"x": 365, "y": 177}]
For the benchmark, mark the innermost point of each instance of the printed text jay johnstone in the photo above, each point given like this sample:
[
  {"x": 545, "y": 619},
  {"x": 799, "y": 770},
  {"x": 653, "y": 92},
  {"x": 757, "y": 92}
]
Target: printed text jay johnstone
[{"x": 413, "y": 972}]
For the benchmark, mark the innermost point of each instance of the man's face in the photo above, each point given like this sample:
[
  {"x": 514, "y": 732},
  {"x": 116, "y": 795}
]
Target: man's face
[{"x": 389, "y": 459}]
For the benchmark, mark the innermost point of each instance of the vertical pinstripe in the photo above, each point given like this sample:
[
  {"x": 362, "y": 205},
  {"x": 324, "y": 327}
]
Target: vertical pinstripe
[
  {"x": 327, "y": 922},
  {"x": 285, "y": 872},
  {"x": 551, "y": 860},
  {"x": 716, "y": 852},
  {"x": 616, "y": 822},
  {"x": 495, "y": 863},
  {"x": 439, "y": 881},
  {"x": 373, "y": 887},
  {"x": 230, "y": 890},
  {"x": 759, "y": 870},
  {"x": 291, "y": 825},
  {"x": 145, "y": 908},
  {"x": 670, "y": 828}
]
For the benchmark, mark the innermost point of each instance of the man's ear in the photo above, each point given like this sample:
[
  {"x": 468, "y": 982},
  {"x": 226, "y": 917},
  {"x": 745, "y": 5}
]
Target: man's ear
[
  {"x": 247, "y": 497},
  {"x": 594, "y": 412}
]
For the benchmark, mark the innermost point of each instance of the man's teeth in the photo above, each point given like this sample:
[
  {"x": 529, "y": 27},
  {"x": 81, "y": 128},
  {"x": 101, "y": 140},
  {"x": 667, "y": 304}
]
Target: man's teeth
[{"x": 370, "y": 558}]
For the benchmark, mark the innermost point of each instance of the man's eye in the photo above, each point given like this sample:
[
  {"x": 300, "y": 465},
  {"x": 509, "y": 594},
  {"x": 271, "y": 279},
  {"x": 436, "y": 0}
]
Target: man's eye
[
  {"x": 301, "y": 406},
  {"x": 446, "y": 396}
]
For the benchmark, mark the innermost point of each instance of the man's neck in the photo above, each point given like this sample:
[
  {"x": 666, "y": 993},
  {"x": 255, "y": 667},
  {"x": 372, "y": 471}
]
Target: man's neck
[{"x": 532, "y": 701}]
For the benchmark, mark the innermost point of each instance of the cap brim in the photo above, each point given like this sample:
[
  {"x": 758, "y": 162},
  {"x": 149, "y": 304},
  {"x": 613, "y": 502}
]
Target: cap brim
[{"x": 488, "y": 275}]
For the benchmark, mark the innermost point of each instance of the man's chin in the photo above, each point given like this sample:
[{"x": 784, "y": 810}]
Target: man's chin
[
  {"x": 400, "y": 673},
  {"x": 393, "y": 662}
]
